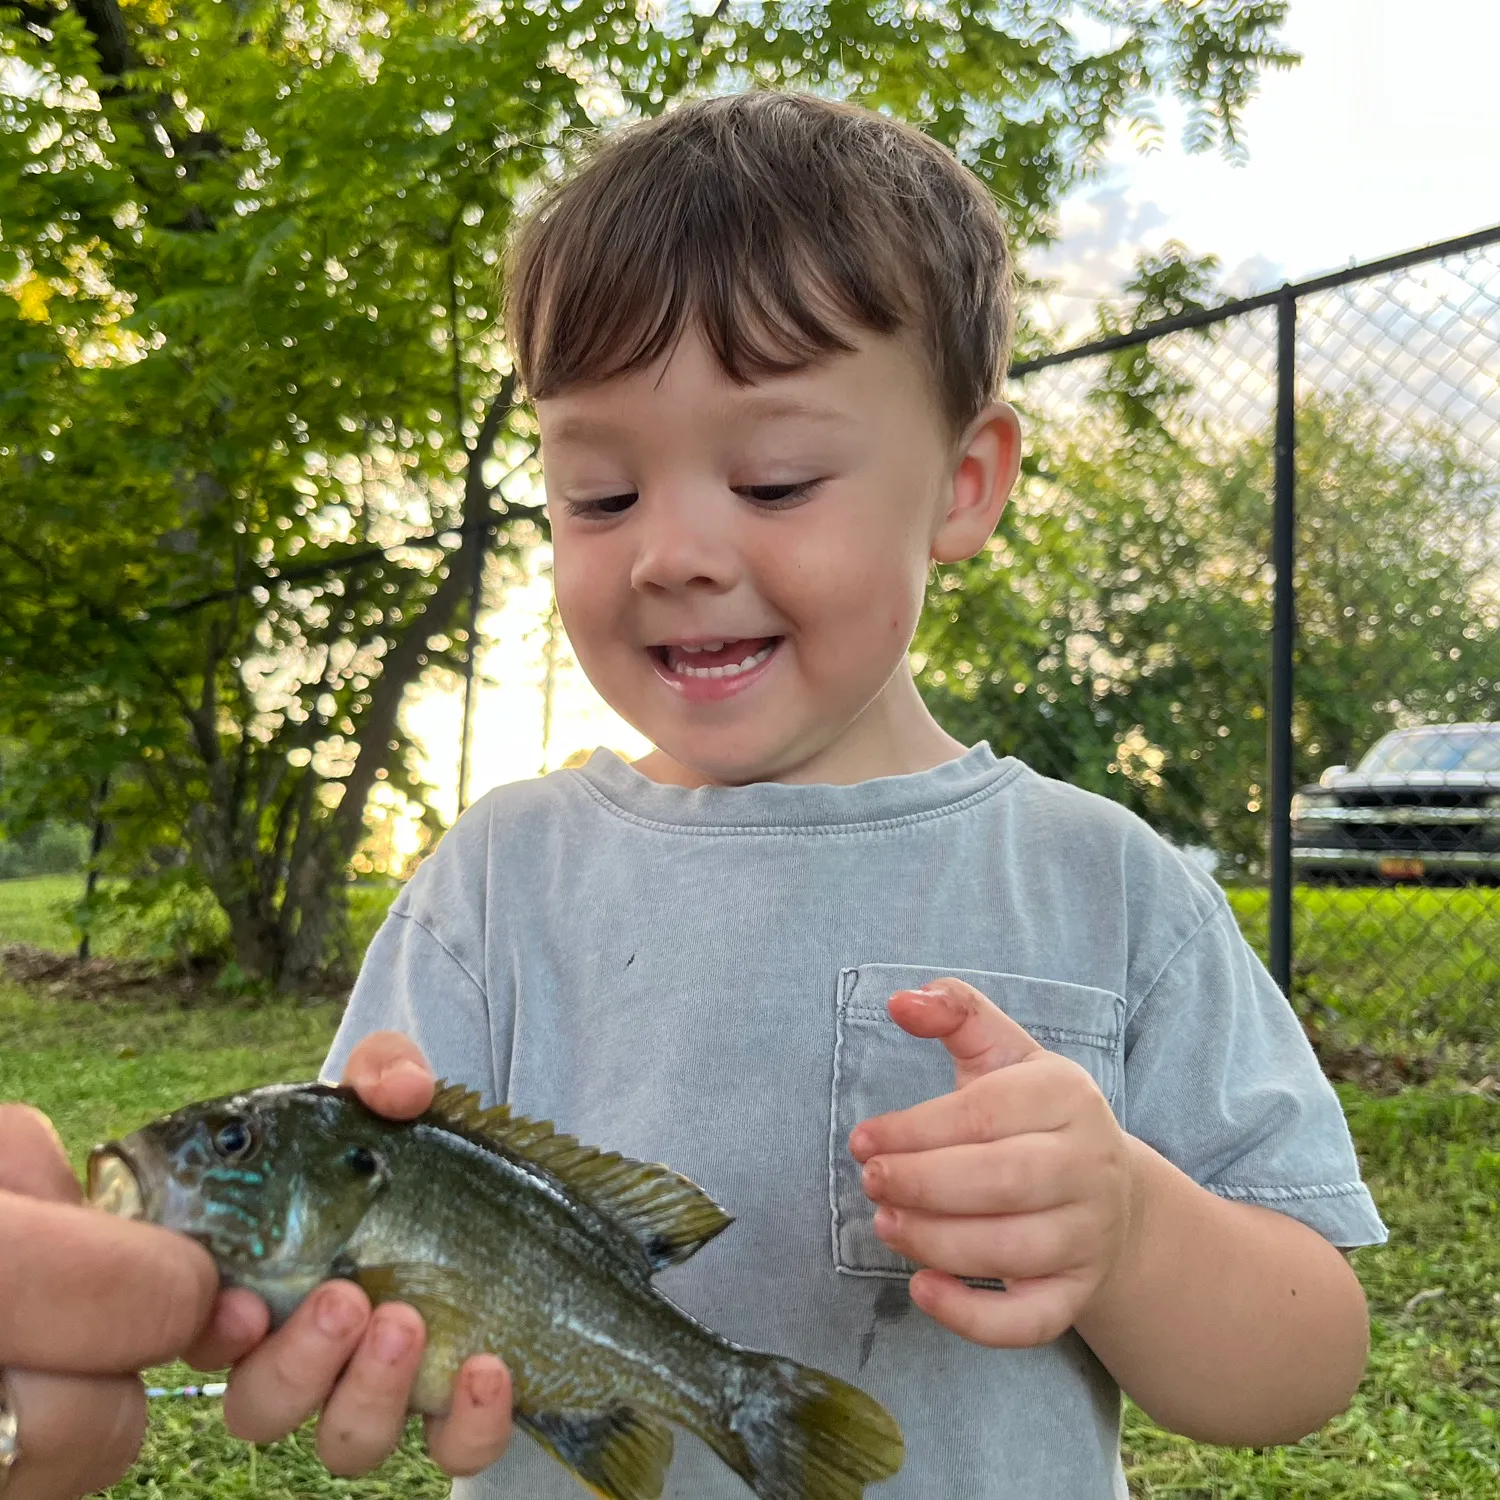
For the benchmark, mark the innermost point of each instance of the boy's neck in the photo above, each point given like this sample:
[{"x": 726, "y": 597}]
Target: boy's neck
[{"x": 894, "y": 736}]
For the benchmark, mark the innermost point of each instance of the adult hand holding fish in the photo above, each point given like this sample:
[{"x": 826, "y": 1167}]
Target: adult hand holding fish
[
  {"x": 85, "y": 1301},
  {"x": 333, "y": 1355},
  {"x": 1022, "y": 1174}
]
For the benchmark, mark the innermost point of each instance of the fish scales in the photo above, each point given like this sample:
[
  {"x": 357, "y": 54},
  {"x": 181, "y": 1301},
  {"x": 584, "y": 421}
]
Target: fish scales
[
  {"x": 508, "y": 1238},
  {"x": 559, "y": 1317}
]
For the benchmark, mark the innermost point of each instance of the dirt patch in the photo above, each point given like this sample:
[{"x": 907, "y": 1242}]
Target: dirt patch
[
  {"x": 66, "y": 976},
  {"x": 1469, "y": 1068},
  {"x": 1378, "y": 1072},
  {"x": 142, "y": 981}
]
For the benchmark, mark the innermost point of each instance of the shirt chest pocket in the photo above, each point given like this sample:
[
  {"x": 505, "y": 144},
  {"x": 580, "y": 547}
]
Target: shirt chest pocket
[{"x": 878, "y": 1068}]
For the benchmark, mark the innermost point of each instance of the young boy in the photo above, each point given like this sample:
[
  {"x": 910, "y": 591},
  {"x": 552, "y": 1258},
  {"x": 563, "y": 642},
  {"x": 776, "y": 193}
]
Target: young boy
[{"x": 892, "y": 1001}]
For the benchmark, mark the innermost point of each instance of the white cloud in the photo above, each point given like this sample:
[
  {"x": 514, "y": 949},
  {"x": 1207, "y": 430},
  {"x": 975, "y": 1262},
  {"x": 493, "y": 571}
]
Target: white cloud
[{"x": 1384, "y": 138}]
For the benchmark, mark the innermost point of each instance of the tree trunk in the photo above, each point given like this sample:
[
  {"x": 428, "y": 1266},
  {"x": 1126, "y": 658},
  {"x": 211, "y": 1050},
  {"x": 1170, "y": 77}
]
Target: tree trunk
[{"x": 284, "y": 914}]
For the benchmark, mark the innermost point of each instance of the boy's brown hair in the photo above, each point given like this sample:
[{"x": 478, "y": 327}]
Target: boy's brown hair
[{"x": 776, "y": 224}]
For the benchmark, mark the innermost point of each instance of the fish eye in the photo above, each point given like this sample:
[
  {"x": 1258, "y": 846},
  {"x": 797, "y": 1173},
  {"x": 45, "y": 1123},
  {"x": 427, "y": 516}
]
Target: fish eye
[
  {"x": 362, "y": 1160},
  {"x": 234, "y": 1139}
]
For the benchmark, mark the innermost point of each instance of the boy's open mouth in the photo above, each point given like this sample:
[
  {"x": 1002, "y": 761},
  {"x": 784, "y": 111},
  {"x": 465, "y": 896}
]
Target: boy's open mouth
[{"x": 716, "y": 658}]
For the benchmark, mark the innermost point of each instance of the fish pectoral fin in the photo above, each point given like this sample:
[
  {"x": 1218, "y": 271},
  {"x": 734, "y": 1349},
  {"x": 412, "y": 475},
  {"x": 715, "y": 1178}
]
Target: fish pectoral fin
[
  {"x": 404, "y": 1279},
  {"x": 621, "y": 1453},
  {"x": 669, "y": 1216},
  {"x": 438, "y": 1293}
]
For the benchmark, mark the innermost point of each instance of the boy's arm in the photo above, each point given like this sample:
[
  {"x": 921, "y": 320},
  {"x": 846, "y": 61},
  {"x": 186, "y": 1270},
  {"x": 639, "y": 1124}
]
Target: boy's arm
[{"x": 1226, "y": 1322}]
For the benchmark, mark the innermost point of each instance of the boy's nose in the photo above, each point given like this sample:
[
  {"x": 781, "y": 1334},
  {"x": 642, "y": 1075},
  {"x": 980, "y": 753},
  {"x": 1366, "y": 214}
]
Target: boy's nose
[{"x": 677, "y": 551}]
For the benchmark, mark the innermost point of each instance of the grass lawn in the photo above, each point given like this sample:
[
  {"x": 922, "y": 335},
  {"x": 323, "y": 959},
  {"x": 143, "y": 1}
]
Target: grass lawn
[
  {"x": 31, "y": 911},
  {"x": 1423, "y": 1425}
]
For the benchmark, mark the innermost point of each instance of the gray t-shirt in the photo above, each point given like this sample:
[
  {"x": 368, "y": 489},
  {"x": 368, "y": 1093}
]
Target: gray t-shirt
[{"x": 700, "y": 977}]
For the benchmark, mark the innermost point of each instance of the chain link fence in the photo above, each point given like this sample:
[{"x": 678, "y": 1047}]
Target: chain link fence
[{"x": 1250, "y": 586}]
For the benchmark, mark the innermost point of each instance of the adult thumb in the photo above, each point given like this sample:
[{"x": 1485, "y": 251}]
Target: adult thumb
[
  {"x": 979, "y": 1036},
  {"x": 32, "y": 1159}
]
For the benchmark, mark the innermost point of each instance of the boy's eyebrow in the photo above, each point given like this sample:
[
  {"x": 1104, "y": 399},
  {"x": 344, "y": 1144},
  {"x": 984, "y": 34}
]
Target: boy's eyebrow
[
  {"x": 581, "y": 428},
  {"x": 775, "y": 408}
]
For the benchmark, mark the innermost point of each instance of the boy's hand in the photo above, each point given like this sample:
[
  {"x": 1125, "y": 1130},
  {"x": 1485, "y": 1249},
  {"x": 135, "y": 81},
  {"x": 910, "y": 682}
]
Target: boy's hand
[
  {"x": 1021, "y": 1174},
  {"x": 335, "y": 1356}
]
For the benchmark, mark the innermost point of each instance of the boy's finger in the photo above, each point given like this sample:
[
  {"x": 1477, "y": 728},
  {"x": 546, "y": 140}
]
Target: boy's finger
[
  {"x": 1025, "y": 1314},
  {"x": 99, "y": 1295},
  {"x": 32, "y": 1159},
  {"x": 1015, "y": 1101},
  {"x": 996, "y": 1247},
  {"x": 390, "y": 1075},
  {"x": 979, "y": 1036},
  {"x": 282, "y": 1382},
  {"x": 240, "y": 1321},
  {"x": 366, "y": 1414},
  {"x": 1022, "y": 1174},
  {"x": 476, "y": 1431}
]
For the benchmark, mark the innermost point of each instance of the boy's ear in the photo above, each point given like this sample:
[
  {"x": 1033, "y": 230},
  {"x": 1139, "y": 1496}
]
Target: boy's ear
[{"x": 987, "y": 460}]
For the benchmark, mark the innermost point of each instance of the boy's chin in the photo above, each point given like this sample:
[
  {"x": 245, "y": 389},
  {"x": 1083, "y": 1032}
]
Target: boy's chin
[{"x": 689, "y": 761}]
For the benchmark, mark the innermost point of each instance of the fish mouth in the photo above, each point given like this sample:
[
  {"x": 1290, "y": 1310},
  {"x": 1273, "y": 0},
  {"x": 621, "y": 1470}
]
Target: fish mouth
[{"x": 114, "y": 1183}]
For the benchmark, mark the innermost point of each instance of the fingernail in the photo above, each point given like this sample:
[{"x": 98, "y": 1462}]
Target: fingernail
[
  {"x": 391, "y": 1340},
  {"x": 871, "y": 1177},
  {"x": 859, "y": 1141},
  {"x": 337, "y": 1317},
  {"x": 922, "y": 998},
  {"x": 486, "y": 1386},
  {"x": 885, "y": 1221}
]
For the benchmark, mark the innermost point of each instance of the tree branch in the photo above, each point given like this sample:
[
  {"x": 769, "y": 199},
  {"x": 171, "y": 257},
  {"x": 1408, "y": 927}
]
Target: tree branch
[
  {"x": 402, "y": 662},
  {"x": 111, "y": 40},
  {"x": 455, "y": 344}
]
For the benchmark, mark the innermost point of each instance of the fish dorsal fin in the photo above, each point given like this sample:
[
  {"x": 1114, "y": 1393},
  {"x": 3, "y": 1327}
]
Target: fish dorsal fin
[{"x": 668, "y": 1216}]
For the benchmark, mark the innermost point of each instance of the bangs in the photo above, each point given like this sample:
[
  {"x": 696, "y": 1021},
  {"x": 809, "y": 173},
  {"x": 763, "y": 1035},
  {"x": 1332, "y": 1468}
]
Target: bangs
[{"x": 643, "y": 267}]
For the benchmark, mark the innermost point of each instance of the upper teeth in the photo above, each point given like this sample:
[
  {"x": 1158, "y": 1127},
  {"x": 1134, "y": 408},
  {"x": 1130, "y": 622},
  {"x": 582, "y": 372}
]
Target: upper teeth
[
  {"x": 706, "y": 646},
  {"x": 730, "y": 669}
]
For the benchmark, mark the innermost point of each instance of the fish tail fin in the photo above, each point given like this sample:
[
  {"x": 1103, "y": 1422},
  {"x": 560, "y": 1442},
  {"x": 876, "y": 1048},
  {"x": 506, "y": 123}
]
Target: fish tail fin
[{"x": 798, "y": 1434}]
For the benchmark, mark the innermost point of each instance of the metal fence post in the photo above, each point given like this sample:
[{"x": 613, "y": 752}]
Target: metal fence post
[{"x": 1283, "y": 627}]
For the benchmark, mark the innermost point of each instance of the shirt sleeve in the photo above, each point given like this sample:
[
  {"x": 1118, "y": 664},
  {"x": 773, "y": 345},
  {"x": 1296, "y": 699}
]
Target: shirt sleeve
[
  {"x": 1221, "y": 1080},
  {"x": 412, "y": 983},
  {"x": 428, "y": 973}
]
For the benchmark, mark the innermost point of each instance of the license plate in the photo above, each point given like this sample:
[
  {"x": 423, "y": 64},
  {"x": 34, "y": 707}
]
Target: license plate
[{"x": 1402, "y": 869}]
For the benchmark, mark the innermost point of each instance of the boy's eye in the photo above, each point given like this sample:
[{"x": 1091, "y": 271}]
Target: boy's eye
[
  {"x": 777, "y": 494},
  {"x": 609, "y": 505}
]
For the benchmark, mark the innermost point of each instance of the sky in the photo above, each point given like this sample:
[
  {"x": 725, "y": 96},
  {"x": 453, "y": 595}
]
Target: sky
[{"x": 1385, "y": 137}]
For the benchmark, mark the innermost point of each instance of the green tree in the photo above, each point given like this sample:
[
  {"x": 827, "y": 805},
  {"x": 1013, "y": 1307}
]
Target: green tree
[{"x": 251, "y": 252}]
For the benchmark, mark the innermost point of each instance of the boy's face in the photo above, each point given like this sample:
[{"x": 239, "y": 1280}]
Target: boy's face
[{"x": 740, "y": 568}]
